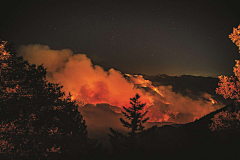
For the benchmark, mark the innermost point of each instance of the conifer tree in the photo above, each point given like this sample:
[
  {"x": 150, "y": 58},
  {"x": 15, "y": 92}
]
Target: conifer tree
[{"x": 135, "y": 115}]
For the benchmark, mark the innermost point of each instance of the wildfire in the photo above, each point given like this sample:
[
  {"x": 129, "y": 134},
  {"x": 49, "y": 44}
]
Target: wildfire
[
  {"x": 91, "y": 93},
  {"x": 162, "y": 116},
  {"x": 139, "y": 80},
  {"x": 156, "y": 90},
  {"x": 91, "y": 84},
  {"x": 213, "y": 101},
  {"x": 83, "y": 98}
]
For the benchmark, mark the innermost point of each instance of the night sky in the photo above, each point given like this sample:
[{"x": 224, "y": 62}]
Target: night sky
[{"x": 151, "y": 37}]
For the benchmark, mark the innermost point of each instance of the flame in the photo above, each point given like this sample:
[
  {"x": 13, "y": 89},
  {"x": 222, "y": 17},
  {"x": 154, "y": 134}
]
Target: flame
[
  {"x": 156, "y": 90},
  {"x": 213, "y": 101},
  {"x": 88, "y": 83},
  {"x": 138, "y": 79},
  {"x": 162, "y": 116}
]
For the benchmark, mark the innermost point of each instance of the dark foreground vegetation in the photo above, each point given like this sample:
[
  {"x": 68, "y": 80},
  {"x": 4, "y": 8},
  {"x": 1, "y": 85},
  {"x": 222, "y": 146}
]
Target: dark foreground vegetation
[
  {"x": 195, "y": 140},
  {"x": 38, "y": 121}
]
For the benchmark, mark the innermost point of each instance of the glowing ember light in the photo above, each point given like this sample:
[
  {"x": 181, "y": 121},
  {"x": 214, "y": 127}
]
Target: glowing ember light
[
  {"x": 166, "y": 117},
  {"x": 165, "y": 102},
  {"x": 213, "y": 101},
  {"x": 156, "y": 90},
  {"x": 91, "y": 84},
  {"x": 138, "y": 79}
]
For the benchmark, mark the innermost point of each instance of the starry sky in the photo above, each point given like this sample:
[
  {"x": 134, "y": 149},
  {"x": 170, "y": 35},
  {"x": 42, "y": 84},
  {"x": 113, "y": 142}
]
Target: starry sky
[{"x": 138, "y": 37}]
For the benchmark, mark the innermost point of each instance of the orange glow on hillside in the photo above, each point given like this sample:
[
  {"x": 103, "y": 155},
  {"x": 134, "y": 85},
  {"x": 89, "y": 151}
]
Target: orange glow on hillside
[
  {"x": 138, "y": 79},
  {"x": 91, "y": 84}
]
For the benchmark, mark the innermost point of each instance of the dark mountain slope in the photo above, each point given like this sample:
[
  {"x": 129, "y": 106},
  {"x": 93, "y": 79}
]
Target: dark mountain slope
[{"x": 193, "y": 140}]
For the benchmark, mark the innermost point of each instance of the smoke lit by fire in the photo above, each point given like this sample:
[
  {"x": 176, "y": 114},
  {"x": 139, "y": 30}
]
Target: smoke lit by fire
[
  {"x": 90, "y": 83},
  {"x": 139, "y": 80}
]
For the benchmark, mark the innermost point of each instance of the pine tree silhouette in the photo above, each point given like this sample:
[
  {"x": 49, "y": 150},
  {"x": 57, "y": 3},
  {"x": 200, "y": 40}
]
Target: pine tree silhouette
[{"x": 134, "y": 114}]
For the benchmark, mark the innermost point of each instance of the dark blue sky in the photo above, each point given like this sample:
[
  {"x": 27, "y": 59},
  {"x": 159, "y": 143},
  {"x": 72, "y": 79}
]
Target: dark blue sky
[{"x": 151, "y": 37}]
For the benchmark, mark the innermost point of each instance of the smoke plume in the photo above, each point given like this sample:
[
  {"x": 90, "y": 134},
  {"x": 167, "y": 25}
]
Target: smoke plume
[
  {"x": 86, "y": 82},
  {"x": 91, "y": 84}
]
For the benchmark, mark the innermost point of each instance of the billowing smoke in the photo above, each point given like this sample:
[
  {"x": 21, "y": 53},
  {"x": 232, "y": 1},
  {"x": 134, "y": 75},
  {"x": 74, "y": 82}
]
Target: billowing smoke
[
  {"x": 86, "y": 82},
  {"x": 174, "y": 107},
  {"x": 91, "y": 84},
  {"x": 181, "y": 108}
]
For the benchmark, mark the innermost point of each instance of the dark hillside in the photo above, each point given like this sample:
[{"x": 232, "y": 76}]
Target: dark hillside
[{"x": 193, "y": 140}]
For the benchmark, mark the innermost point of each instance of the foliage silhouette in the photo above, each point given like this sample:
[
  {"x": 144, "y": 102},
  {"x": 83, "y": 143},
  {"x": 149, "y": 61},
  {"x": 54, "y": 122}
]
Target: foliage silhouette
[
  {"x": 229, "y": 87},
  {"x": 37, "y": 120},
  {"x": 226, "y": 120},
  {"x": 134, "y": 114}
]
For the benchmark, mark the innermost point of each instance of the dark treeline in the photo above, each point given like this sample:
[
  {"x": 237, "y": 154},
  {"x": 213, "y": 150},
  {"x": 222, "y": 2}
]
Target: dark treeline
[{"x": 38, "y": 121}]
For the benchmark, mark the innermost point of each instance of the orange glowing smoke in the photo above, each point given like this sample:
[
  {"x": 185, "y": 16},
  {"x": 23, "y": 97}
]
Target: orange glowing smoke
[
  {"x": 139, "y": 80},
  {"x": 90, "y": 83},
  {"x": 86, "y": 82},
  {"x": 162, "y": 116}
]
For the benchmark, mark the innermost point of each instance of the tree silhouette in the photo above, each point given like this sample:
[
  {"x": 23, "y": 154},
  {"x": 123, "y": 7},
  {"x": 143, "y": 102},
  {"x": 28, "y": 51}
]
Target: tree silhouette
[
  {"x": 229, "y": 87},
  {"x": 226, "y": 121},
  {"x": 135, "y": 116},
  {"x": 36, "y": 119}
]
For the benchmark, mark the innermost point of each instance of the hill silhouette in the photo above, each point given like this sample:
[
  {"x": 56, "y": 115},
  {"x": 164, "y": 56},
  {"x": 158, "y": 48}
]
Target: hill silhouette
[{"x": 194, "y": 140}]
